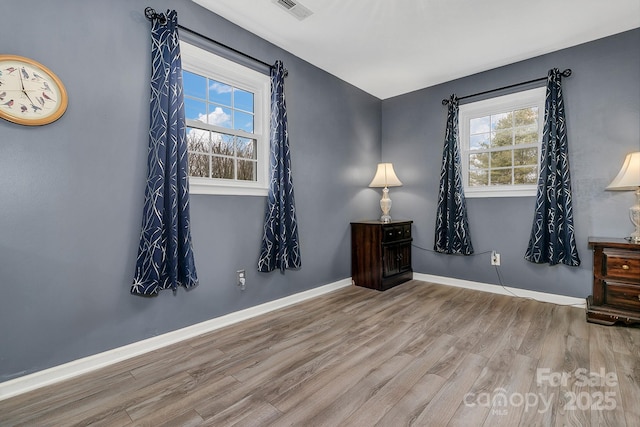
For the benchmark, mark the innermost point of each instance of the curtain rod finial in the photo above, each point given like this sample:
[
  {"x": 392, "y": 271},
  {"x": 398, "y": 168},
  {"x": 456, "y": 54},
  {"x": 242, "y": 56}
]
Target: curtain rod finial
[
  {"x": 151, "y": 14},
  {"x": 449, "y": 100}
]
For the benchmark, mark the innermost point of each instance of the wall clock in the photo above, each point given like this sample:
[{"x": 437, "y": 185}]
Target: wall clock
[{"x": 30, "y": 93}]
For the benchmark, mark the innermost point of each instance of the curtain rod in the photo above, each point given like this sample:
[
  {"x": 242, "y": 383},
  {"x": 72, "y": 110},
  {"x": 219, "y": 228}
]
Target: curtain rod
[
  {"x": 565, "y": 73},
  {"x": 151, "y": 14}
]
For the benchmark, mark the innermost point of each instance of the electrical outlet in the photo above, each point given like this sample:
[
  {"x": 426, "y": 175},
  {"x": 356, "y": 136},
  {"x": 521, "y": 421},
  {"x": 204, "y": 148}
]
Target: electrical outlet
[
  {"x": 241, "y": 279},
  {"x": 495, "y": 258}
]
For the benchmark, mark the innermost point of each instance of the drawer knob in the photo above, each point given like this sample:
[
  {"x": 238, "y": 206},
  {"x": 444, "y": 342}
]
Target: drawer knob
[{"x": 625, "y": 267}]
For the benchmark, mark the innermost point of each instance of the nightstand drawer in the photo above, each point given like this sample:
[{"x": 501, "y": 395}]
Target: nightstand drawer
[
  {"x": 622, "y": 295},
  {"x": 396, "y": 232},
  {"x": 621, "y": 264},
  {"x": 616, "y": 282}
]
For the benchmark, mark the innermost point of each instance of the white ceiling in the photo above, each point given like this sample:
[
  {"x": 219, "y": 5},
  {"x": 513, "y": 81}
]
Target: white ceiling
[{"x": 391, "y": 47}]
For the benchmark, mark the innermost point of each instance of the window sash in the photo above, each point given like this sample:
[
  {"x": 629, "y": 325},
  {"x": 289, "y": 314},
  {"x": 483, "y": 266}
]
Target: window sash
[
  {"x": 214, "y": 67},
  {"x": 494, "y": 106}
]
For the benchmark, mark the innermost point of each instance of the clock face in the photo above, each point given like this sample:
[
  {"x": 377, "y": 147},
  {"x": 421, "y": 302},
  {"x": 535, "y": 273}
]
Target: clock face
[{"x": 30, "y": 93}]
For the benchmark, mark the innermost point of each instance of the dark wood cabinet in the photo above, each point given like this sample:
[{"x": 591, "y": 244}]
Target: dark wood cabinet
[
  {"x": 616, "y": 282},
  {"x": 381, "y": 253}
]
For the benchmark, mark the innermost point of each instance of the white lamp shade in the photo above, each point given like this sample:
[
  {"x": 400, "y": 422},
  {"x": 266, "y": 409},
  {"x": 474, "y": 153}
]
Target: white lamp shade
[
  {"x": 629, "y": 176},
  {"x": 385, "y": 176}
]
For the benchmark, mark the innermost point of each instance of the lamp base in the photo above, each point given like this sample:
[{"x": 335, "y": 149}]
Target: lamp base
[
  {"x": 385, "y": 205},
  {"x": 634, "y": 216}
]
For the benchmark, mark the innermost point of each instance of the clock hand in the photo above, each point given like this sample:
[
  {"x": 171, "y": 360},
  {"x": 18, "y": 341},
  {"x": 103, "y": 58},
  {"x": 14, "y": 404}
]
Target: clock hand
[
  {"x": 21, "y": 82},
  {"x": 23, "y": 90},
  {"x": 28, "y": 97}
]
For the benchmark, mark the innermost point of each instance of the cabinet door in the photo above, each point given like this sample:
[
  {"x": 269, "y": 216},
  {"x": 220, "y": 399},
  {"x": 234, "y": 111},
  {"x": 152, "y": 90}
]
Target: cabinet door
[
  {"x": 404, "y": 257},
  {"x": 390, "y": 260},
  {"x": 396, "y": 259}
]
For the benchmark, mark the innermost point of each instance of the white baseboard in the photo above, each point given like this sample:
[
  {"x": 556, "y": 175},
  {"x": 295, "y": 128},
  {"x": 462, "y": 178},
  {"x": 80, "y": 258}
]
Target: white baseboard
[
  {"x": 77, "y": 367},
  {"x": 502, "y": 290}
]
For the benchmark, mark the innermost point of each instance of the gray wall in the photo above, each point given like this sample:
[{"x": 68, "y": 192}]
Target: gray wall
[
  {"x": 602, "y": 101},
  {"x": 71, "y": 192}
]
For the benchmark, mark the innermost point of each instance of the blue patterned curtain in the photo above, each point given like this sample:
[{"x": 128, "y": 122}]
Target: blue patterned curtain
[
  {"x": 552, "y": 235},
  {"x": 280, "y": 246},
  {"x": 452, "y": 228},
  {"x": 165, "y": 255}
]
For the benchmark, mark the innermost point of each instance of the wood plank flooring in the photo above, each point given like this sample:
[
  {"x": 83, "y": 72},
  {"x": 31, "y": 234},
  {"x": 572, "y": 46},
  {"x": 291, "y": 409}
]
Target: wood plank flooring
[{"x": 418, "y": 354}]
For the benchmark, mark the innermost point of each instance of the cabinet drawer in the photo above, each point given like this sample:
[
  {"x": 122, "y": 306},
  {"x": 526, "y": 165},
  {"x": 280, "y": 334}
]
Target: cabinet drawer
[
  {"x": 396, "y": 232},
  {"x": 621, "y": 264},
  {"x": 622, "y": 295}
]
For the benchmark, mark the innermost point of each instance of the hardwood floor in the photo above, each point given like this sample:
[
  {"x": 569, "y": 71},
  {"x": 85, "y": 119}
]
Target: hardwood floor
[{"x": 418, "y": 354}]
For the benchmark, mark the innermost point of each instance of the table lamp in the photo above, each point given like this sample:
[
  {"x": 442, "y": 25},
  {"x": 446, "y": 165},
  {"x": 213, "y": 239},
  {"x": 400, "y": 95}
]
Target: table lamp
[
  {"x": 385, "y": 177},
  {"x": 629, "y": 179}
]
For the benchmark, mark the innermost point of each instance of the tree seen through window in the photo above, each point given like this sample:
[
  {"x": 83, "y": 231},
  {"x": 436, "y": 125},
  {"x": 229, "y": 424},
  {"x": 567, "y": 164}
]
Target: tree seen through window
[
  {"x": 220, "y": 142},
  {"x": 503, "y": 148}
]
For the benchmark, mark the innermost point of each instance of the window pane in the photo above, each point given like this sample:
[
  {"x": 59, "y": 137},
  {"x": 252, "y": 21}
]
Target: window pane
[
  {"x": 526, "y": 175},
  {"x": 478, "y": 178},
  {"x": 198, "y": 165},
  {"x": 480, "y": 141},
  {"x": 220, "y": 93},
  {"x": 246, "y": 148},
  {"x": 221, "y": 143},
  {"x": 221, "y": 167},
  {"x": 479, "y": 125},
  {"x": 500, "y": 159},
  {"x": 247, "y": 170},
  {"x": 479, "y": 161},
  {"x": 527, "y": 135},
  {"x": 195, "y": 110},
  {"x": 198, "y": 140},
  {"x": 225, "y": 103},
  {"x": 501, "y": 177},
  {"x": 527, "y": 117},
  {"x": 502, "y": 138},
  {"x": 219, "y": 116},
  {"x": 525, "y": 156},
  {"x": 194, "y": 85},
  {"x": 243, "y": 100},
  {"x": 501, "y": 121},
  {"x": 243, "y": 121},
  {"x": 508, "y": 159}
]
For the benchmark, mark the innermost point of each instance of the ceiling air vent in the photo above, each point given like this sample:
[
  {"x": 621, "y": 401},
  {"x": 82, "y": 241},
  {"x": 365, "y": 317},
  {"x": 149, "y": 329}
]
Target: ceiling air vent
[{"x": 295, "y": 8}]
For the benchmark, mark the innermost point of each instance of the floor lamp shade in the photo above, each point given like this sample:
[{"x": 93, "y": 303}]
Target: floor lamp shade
[{"x": 385, "y": 177}]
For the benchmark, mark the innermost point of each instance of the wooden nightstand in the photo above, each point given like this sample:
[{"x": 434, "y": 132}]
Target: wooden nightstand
[
  {"x": 616, "y": 282},
  {"x": 381, "y": 253}
]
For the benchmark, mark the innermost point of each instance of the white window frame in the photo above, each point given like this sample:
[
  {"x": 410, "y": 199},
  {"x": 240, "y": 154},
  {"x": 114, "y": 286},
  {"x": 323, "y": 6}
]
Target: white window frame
[
  {"x": 515, "y": 101},
  {"x": 204, "y": 63}
]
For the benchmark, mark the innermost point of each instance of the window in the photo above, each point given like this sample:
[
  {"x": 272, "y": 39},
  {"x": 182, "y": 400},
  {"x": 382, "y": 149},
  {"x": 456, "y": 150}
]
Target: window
[
  {"x": 227, "y": 116},
  {"x": 500, "y": 144}
]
